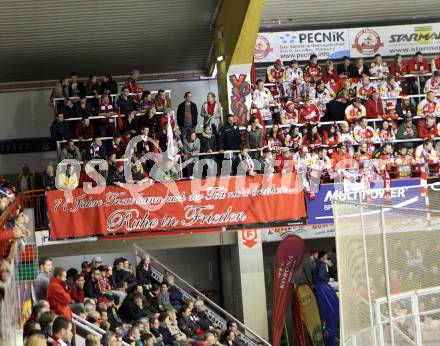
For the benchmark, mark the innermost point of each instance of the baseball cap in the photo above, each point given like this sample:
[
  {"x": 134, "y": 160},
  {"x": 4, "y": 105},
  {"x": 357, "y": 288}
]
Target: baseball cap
[{"x": 97, "y": 259}]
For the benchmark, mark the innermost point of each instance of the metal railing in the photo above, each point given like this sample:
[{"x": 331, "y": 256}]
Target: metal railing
[
  {"x": 383, "y": 322},
  {"x": 90, "y": 328},
  {"x": 215, "y": 313}
]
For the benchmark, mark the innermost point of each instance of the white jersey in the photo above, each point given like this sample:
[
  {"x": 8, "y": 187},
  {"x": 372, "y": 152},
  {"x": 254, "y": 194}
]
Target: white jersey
[
  {"x": 432, "y": 85},
  {"x": 422, "y": 155},
  {"x": 379, "y": 70},
  {"x": 262, "y": 99},
  {"x": 321, "y": 164},
  {"x": 320, "y": 99},
  {"x": 293, "y": 75}
]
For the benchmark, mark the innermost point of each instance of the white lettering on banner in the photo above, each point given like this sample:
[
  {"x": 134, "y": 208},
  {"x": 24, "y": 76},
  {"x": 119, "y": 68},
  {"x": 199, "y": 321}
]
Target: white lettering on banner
[
  {"x": 129, "y": 219},
  {"x": 356, "y": 196},
  {"x": 194, "y": 215},
  {"x": 353, "y": 42},
  {"x": 287, "y": 274}
]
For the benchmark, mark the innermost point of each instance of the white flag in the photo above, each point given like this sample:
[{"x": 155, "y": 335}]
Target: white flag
[{"x": 170, "y": 142}]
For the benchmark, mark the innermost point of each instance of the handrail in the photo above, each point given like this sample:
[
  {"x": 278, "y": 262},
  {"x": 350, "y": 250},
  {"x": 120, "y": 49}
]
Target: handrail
[
  {"x": 90, "y": 327},
  {"x": 107, "y": 117},
  {"x": 202, "y": 296},
  {"x": 99, "y": 96}
]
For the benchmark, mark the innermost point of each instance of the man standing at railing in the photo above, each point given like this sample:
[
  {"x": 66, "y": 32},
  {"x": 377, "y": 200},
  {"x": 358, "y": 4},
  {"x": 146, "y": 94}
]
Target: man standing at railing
[
  {"x": 187, "y": 114},
  {"x": 76, "y": 87},
  {"x": 229, "y": 139},
  {"x": 418, "y": 66},
  {"x": 60, "y": 130},
  {"x": 126, "y": 103}
]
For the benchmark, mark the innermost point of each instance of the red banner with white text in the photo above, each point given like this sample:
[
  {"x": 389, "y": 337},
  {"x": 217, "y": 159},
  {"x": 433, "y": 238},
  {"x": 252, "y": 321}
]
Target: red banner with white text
[{"x": 182, "y": 205}]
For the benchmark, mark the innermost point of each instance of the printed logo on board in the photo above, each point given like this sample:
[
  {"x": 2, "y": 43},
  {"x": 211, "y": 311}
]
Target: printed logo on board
[
  {"x": 249, "y": 237},
  {"x": 262, "y": 47},
  {"x": 367, "y": 42}
]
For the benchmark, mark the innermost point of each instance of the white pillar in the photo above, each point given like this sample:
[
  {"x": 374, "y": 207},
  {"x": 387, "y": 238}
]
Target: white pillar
[{"x": 253, "y": 291}]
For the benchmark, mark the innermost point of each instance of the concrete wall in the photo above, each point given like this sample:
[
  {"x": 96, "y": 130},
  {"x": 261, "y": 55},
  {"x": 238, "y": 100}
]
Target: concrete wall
[{"x": 27, "y": 114}]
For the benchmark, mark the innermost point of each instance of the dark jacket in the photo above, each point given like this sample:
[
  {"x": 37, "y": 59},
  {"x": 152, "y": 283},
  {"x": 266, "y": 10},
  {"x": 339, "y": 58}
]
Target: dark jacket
[
  {"x": 91, "y": 289},
  {"x": 305, "y": 272},
  {"x": 82, "y": 112},
  {"x": 91, "y": 155},
  {"x": 152, "y": 123},
  {"x": 176, "y": 296},
  {"x": 187, "y": 326},
  {"x": 152, "y": 302},
  {"x": 204, "y": 321},
  {"x": 115, "y": 176},
  {"x": 143, "y": 276},
  {"x": 119, "y": 277},
  {"x": 229, "y": 137},
  {"x": 48, "y": 182},
  {"x": 61, "y": 131},
  {"x": 128, "y": 126},
  {"x": 130, "y": 312},
  {"x": 181, "y": 115},
  {"x": 403, "y": 112},
  {"x": 81, "y": 89},
  {"x": 208, "y": 143},
  {"x": 126, "y": 106},
  {"x": 110, "y": 85},
  {"x": 168, "y": 338}
]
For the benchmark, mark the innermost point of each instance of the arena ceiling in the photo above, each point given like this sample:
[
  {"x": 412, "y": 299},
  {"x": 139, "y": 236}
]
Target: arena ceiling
[{"x": 44, "y": 39}]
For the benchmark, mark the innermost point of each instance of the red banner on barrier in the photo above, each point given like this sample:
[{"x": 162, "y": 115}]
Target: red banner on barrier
[{"x": 174, "y": 206}]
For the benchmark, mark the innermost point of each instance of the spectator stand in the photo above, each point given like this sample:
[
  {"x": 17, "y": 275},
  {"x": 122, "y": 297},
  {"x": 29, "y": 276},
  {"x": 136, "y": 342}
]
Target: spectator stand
[{"x": 215, "y": 313}]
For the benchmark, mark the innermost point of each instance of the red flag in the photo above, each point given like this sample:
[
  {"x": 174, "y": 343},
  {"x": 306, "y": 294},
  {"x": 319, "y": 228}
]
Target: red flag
[
  {"x": 289, "y": 256},
  {"x": 253, "y": 73},
  {"x": 387, "y": 186},
  {"x": 120, "y": 123}
]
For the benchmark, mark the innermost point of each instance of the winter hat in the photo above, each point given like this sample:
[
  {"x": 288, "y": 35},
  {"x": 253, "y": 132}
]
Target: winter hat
[{"x": 390, "y": 105}]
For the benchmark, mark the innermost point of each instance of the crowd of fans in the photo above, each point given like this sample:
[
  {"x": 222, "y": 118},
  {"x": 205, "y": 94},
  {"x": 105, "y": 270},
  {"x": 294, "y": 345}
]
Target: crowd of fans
[
  {"x": 310, "y": 118},
  {"x": 127, "y": 304}
]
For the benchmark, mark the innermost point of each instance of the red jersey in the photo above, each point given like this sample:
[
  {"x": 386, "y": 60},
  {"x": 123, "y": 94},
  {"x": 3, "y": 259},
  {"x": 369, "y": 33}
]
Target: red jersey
[
  {"x": 414, "y": 65},
  {"x": 398, "y": 71},
  {"x": 330, "y": 139},
  {"x": 361, "y": 158},
  {"x": 348, "y": 160},
  {"x": 311, "y": 72},
  {"x": 425, "y": 132},
  {"x": 309, "y": 114},
  {"x": 437, "y": 63}
]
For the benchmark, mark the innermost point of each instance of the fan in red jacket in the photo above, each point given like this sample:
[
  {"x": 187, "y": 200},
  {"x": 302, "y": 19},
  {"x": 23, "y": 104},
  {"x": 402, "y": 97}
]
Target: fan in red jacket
[
  {"x": 330, "y": 136},
  {"x": 341, "y": 158},
  {"x": 312, "y": 137},
  {"x": 132, "y": 85},
  {"x": 309, "y": 113},
  {"x": 374, "y": 106},
  {"x": 428, "y": 128},
  {"x": 391, "y": 114},
  {"x": 58, "y": 294},
  {"x": 418, "y": 64}
]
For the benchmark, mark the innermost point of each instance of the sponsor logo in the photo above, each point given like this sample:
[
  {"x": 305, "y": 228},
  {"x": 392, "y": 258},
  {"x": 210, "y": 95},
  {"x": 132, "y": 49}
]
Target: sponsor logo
[
  {"x": 262, "y": 47},
  {"x": 367, "y": 42},
  {"x": 422, "y": 35},
  {"x": 249, "y": 237},
  {"x": 288, "y": 37}
]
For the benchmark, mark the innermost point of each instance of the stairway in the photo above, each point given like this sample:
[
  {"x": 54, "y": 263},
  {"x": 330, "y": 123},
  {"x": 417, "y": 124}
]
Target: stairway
[{"x": 215, "y": 313}]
